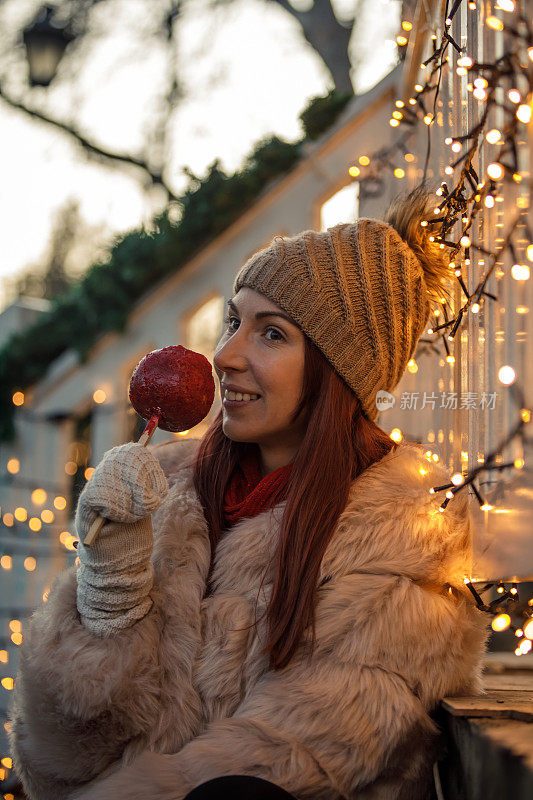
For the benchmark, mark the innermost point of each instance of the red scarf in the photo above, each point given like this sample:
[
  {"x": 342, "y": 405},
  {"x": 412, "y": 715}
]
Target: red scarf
[{"x": 248, "y": 493}]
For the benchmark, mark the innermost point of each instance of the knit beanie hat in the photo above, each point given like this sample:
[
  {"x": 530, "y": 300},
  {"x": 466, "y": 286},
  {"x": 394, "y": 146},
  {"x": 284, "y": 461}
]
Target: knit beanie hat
[{"x": 358, "y": 291}]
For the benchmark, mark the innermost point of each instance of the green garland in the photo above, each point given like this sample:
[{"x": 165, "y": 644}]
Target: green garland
[{"x": 103, "y": 299}]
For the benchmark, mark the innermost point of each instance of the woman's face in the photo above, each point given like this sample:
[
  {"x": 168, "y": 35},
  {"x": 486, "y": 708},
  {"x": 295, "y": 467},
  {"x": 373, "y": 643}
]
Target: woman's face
[{"x": 263, "y": 356}]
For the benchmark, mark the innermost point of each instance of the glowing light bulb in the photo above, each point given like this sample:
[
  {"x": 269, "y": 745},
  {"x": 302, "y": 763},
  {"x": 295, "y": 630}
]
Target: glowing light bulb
[
  {"x": 35, "y": 524},
  {"x": 480, "y": 94},
  {"x": 13, "y": 466},
  {"x": 465, "y": 61},
  {"x": 493, "y": 135},
  {"x": 406, "y": 25},
  {"x": 60, "y": 503},
  {"x": 523, "y": 112},
  {"x": 47, "y": 516},
  {"x": 71, "y": 467},
  {"x": 21, "y": 514},
  {"x": 88, "y": 473},
  {"x": 489, "y": 201},
  {"x": 364, "y": 161},
  {"x": 99, "y": 396},
  {"x": 38, "y": 497},
  {"x": 401, "y": 40},
  {"x": 506, "y": 375},
  {"x": 457, "y": 479},
  {"x": 354, "y": 171},
  {"x": 18, "y": 398},
  {"x": 428, "y": 119},
  {"x": 495, "y": 171},
  {"x": 456, "y": 146},
  {"x": 481, "y": 83},
  {"x": 529, "y": 252},
  {"x": 501, "y": 622},
  {"x": 475, "y": 308},
  {"x": 448, "y": 170},
  {"x": 495, "y": 23},
  {"x": 396, "y": 435},
  {"x": 528, "y": 628},
  {"x": 465, "y": 241},
  {"x": 30, "y": 563},
  {"x": 520, "y": 272},
  {"x": 399, "y": 104},
  {"x": 505, "y": 5},
  {"x": 394, "y": 123},
  {"x": 412, "y": 366},
  {"x": 397, "y": 115},
  {"x": 399, "y": 173},
  {"x": 514, "y": 95}
]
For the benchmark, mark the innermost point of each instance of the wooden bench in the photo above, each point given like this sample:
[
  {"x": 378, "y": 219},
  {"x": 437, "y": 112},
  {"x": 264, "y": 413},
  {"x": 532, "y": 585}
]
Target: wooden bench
[{"x": 488, "y": 740}]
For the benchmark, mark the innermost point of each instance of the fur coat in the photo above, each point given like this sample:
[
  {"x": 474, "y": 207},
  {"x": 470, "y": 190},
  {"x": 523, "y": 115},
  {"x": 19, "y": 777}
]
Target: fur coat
[{"x": 184, "y": 695}]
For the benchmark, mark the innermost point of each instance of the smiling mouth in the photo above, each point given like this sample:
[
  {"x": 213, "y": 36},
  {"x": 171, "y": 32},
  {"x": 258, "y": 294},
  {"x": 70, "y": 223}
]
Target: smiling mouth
[{"x": 238, "y": 403}]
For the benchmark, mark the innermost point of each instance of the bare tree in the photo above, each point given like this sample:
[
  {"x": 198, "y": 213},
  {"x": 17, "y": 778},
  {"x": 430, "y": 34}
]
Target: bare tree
[
  {"x": 324, "y": 32},
  {"x": 71, "y": 248},
  {"x": 328, "y": 36}
]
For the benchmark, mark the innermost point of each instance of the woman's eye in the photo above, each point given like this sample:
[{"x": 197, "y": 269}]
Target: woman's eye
[{"x": 228, "y": 321}]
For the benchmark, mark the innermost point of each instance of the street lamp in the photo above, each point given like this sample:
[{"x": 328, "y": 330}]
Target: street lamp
[{"x": 45, "y": 46}]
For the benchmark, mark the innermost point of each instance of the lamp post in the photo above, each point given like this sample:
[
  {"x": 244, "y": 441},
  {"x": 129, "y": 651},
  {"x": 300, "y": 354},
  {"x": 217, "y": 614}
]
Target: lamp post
[{"x": 45, "y": 46}]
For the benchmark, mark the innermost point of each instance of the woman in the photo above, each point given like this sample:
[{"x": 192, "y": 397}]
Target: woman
[{"x": 303, "y": 609}]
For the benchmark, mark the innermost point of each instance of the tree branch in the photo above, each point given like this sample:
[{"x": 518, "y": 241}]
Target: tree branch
[
  {"x": 92, "y": 149},
  {"x": 328, "y": 36}
]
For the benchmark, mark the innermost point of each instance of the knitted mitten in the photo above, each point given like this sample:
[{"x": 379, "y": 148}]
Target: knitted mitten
[{"x": 115, "y": 574}]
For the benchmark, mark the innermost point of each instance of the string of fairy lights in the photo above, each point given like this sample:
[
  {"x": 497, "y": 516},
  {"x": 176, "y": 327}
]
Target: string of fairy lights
[{"x": 505, "y": 85}]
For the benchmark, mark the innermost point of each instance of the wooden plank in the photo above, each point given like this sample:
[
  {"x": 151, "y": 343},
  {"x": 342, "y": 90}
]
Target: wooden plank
[
  {"x": 517, "y": 679},
  {"x": 499, "y": 661},
  {"x": 510, "y": 704}
]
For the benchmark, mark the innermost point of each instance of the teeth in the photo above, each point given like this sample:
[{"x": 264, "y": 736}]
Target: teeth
[{"x": 238, "y": 396}]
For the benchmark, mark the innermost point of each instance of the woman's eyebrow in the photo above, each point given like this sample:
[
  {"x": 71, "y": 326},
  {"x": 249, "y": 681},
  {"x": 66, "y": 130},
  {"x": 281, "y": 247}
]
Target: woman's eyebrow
[{"x": 261, "y": 314}]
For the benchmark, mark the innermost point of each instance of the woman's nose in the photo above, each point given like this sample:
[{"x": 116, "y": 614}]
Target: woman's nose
[{"x": 230, "y": 355}]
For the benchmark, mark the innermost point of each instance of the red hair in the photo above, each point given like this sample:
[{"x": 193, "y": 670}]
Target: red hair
[{"x": 340, "y": 442}]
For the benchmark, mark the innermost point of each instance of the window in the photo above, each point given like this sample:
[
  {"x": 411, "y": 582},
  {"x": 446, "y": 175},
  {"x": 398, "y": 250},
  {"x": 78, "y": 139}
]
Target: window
[
  {"x": 343, "y": 206},
  {"x": 203, "y": 327},
  {"x": 78, "y": 457}
]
